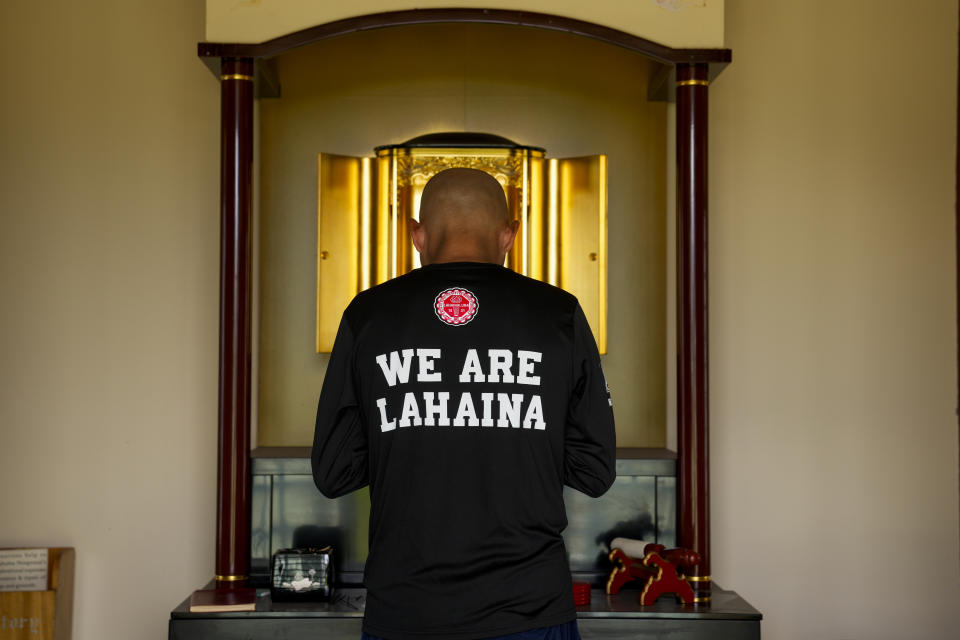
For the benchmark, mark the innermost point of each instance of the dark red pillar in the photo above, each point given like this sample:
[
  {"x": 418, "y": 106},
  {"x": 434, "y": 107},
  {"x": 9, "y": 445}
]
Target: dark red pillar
[
  {"x": 233, "y": 461},
  {"x": 693, "y": 415}
]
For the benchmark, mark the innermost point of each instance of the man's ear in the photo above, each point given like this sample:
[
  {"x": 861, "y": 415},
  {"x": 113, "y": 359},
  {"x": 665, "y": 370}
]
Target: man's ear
[
  {"x": 508, "y": 235},
  {"x": 419, "y": 236}
]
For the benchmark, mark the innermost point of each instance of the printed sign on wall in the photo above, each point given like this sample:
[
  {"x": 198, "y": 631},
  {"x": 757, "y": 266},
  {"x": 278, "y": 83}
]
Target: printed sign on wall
[{"x": 23, "y": 569}]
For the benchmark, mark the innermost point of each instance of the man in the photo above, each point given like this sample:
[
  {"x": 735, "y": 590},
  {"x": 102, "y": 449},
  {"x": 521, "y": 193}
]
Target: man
[{"x": 466, "y": 396}]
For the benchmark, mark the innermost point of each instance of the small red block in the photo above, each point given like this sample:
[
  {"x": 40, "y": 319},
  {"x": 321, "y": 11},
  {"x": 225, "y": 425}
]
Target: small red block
[{"x": 581, "y": 593}]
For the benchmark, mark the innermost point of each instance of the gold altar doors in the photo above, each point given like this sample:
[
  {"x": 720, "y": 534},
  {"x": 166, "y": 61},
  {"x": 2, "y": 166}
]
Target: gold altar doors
[{"x": 365, "y": 205}]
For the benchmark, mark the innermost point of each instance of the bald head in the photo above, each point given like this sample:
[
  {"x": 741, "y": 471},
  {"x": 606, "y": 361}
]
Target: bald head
[
  {"x": 463, "y": 217},
  {"x": 465, "y": 197}
]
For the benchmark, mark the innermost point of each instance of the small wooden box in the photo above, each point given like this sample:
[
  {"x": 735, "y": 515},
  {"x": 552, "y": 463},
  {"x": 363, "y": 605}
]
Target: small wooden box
[{"x": 42, "y": 615}]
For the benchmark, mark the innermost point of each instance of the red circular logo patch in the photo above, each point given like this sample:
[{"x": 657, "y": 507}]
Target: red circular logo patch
[{"x": 456, "y": 306}]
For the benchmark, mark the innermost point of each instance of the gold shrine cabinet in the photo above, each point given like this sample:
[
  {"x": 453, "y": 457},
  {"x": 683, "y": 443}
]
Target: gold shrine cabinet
[{"x": 365, "y": 206}]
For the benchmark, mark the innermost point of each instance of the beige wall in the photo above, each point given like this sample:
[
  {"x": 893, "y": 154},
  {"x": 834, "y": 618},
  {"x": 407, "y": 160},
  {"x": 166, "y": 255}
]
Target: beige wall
[
  {"x": 675, "y": 23},
  {"x": 833, "y": 353},
  {"x": 535, "y": 87},
  {"x": 833, "y": 317},
  {"x": 108, "y": 320}
]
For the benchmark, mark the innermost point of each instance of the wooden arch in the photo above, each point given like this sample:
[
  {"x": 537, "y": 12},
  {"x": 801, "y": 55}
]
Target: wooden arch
[
  {"x": 239, "y": 65},
  {"x": 277, "y": 46}
]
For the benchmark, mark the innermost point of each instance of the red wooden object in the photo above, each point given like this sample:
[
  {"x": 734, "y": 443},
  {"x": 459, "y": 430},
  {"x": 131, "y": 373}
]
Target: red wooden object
[
  {"x": 659, "y": 570},
  {"x": 667, "y": 580},
  {"x": 627, "y": 569}
]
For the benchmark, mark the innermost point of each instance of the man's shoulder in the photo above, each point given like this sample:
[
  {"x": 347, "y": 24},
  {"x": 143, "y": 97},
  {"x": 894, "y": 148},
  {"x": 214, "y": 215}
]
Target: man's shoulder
[
  {"x": 383, "y": 295},
  {"x": 544, "y": 289},
  {"x": 506, "y": 278}
]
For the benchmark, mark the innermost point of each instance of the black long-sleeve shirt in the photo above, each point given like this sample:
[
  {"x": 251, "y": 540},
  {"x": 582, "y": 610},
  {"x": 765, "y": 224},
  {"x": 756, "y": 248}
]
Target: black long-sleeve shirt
[{"x": 466, "y": 396}]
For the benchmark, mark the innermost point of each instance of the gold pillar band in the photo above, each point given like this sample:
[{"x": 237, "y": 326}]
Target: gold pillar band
[
  {"x": 698, "y": 578},
  {"x": 230, "y": 578},
  {"x": 237, "y": 76},
  {"x": 701, "y": 600},
  {"x": 693, "y": 83}
]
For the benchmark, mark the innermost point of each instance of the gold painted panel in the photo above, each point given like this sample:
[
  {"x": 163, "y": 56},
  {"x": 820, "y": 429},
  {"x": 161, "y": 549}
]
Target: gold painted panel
[
  {"x": 340, "y": 193},
  {"x": 582, "y": 210}
]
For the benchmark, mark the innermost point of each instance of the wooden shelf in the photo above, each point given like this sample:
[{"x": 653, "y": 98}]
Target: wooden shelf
[
  {"x": 623, "y": 453},
  {"x": 614, "y": 616}
]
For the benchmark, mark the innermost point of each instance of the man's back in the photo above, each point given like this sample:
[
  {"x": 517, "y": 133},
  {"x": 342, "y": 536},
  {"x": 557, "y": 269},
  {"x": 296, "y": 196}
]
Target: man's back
[{"x": 466, "y": 396}]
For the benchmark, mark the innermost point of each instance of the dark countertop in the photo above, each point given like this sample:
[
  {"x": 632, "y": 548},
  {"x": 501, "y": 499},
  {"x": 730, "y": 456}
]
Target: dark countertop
[{"x": 349, "y": 603}]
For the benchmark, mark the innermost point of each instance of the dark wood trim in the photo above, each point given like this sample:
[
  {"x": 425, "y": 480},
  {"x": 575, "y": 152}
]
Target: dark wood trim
[
  {"x": 277, "y": 46},
  {"x": 266, "y": 79},
  {"x": 236, "y": 193},
  {"x": 693, "y": 465},
  {"x": 281, "y": 452},
  {"x": 659, "y": 84},
  {"x": 645, "y": 453}
]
